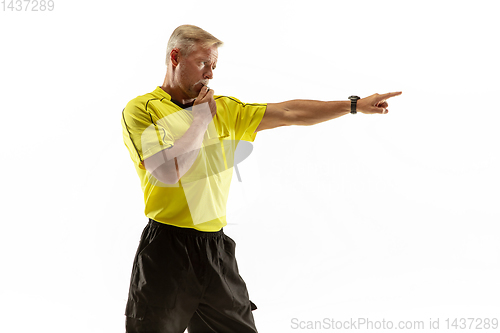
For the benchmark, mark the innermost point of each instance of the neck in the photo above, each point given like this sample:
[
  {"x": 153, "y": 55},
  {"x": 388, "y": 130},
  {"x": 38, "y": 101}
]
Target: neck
[{"x": 175, "y": 90}]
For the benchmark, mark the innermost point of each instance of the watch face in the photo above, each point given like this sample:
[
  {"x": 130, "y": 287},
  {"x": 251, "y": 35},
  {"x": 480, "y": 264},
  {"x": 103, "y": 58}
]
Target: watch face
[{"x": 354, "y": 98}]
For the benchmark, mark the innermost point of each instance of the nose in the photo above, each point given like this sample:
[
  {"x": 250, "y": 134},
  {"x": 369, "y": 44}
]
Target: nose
[{"x": 209, "y": 74}]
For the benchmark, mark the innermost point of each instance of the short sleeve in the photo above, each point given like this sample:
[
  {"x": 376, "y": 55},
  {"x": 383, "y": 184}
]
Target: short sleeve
[
  {"x": 143, "y": 135},
  {"x": 245, "y": 117}
]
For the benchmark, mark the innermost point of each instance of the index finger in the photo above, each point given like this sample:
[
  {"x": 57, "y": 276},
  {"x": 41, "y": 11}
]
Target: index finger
[{"x": 389, "y": 95}]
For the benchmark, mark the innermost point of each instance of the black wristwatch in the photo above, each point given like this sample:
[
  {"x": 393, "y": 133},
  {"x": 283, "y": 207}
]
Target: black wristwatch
[{"x": 354, "y": 100}]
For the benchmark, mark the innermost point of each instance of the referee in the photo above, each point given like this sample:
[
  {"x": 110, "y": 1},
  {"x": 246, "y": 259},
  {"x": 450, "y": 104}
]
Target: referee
[{"x": 181, "y": 138}]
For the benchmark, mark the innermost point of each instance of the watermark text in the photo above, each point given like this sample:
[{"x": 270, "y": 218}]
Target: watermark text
[
  {"x": 27, "y": 5},
  {"x": 384, "y": 324}
]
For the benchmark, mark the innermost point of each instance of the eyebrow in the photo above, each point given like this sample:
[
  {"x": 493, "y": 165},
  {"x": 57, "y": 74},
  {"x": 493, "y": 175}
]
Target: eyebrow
[{"x": 204, "y": 59}]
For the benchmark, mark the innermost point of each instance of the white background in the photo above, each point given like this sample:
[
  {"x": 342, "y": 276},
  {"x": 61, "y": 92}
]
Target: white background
[{"x": 378, "y": 216}]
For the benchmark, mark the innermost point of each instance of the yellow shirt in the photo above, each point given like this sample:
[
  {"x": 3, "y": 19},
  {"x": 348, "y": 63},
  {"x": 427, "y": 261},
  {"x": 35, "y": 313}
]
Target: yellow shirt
[{"x": 152, "y": 122}]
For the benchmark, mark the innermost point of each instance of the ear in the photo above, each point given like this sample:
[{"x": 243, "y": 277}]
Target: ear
[{"x": 174, "y": 57}]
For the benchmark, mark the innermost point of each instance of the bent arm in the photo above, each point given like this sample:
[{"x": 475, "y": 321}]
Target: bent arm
[{"x": 169, "y": 165}]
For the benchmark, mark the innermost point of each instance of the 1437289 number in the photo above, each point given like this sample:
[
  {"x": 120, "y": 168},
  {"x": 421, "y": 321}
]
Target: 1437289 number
[{"x": 28, "y": 5}]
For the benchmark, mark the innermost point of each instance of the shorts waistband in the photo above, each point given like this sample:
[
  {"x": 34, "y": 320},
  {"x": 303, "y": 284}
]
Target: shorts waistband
[{"x": 186, "y": 231}]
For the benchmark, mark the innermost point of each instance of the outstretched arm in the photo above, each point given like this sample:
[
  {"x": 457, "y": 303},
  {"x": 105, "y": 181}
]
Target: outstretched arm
[{"x": 310, "y": 112}]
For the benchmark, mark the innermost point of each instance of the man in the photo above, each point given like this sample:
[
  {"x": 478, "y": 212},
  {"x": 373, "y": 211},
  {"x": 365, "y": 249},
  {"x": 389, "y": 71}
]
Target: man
[{"x": 182, "y": 139}]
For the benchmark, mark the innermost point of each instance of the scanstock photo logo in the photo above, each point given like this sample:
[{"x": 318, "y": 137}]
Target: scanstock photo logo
[{"x": 470, "y": 323}]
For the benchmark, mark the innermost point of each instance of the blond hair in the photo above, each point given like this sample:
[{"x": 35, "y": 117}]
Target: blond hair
[{"x": 185, "y": 37}]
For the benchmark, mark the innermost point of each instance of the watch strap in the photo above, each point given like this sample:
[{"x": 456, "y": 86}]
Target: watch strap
[{"x": 354, "y": 100}]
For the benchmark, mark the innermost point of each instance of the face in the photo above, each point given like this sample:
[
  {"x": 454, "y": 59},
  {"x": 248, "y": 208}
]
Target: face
[{"x": 196, "y": 70}]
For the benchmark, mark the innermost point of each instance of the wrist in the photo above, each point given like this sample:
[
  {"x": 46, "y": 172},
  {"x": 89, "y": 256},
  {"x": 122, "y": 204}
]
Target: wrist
[{"x": 353, "y": 104}]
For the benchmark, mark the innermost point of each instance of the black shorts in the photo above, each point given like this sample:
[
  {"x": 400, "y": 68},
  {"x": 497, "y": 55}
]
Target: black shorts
[{"x": 184, "y": 278}]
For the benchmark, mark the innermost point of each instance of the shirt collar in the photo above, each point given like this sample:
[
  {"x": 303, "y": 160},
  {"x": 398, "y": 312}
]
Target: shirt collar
[{"x": 158, "y": 92}]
